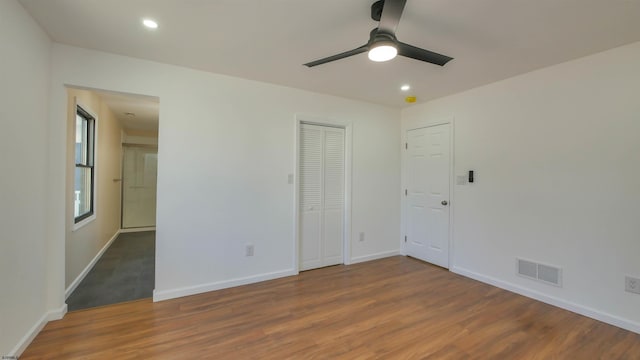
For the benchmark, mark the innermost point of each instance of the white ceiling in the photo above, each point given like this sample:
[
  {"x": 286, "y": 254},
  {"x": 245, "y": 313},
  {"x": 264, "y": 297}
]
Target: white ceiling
[
  {"x": 269, "y": 40},
  {"x": 135, "y": 112}
]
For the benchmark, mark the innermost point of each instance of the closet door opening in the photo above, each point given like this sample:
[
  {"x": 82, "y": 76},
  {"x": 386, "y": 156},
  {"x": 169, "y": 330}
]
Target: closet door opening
[{"x": 321, "y": 196}]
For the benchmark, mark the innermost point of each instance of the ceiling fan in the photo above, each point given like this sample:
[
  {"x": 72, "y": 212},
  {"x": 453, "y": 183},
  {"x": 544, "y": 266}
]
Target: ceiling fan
[{"x": 383, "y": 44}]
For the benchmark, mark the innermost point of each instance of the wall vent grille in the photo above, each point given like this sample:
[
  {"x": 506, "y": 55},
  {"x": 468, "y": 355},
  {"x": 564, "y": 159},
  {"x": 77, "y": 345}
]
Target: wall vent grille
[{"x": 540, "y": 272}]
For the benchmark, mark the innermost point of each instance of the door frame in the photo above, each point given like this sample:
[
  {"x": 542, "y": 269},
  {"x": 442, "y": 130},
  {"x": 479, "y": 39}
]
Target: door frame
[
  {"x": 348, "y": 146},
  {"x": 405, "y": 176}
]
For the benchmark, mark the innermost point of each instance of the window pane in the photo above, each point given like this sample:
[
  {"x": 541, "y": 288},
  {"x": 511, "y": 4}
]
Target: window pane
[
  {"x": 90, "y": 144},
  {"x": 81, "y": 140},
  {"x": 82, "y": 203},
  {"x": 84, "y": 153}
]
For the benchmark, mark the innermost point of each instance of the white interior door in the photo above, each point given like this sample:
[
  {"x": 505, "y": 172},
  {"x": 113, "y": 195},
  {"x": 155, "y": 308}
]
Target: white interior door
[
  {"x": 321, "y": 196},
  {"x": 427, "y": 193},
  {"x": 139, "y": 179}
]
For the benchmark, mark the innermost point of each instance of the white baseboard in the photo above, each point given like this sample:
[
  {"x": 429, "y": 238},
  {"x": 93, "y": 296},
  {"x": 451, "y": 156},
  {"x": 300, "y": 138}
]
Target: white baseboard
[
  {"x": 552, "y": 300},
  {"x": 198, "y": 289},
  {"x": 89, "y": 266},
  {"x": 31, "y": 334},
  {"x": 141, "y": 229},
  {"x": 381, "y": 255},
  {"x": 57, "y": 314}
]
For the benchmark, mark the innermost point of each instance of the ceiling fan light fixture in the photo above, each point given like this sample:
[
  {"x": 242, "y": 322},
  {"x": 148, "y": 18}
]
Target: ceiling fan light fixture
[
  {"x": 383, "y": 45},
  {"x": 383, "y": 51}
]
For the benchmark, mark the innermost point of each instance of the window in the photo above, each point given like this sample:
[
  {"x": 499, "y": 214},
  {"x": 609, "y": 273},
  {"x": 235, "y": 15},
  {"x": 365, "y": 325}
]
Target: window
[{"x": 84, "y": 159}]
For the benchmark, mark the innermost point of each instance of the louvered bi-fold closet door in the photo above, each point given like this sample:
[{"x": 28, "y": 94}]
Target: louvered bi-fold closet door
[{"x": 321, "y": 196}]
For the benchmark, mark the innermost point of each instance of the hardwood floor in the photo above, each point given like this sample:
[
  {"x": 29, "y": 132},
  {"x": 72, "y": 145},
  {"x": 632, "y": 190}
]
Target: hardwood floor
[{"x": 394, "y": 308}]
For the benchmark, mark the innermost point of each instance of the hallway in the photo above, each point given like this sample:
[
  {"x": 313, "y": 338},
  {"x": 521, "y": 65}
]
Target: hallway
[{"x": 125, "y": 272}]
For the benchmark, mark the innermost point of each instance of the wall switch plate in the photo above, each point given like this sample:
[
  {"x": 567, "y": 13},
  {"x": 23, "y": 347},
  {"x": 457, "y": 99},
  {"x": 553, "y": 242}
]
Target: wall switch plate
[
  {"x": 632, "y": 284},
  {"x": 248, "y": 251},
  {"x": 361, "y": 236},
  {"x": 461, "y": 180},
  {"x": 290, "y": 179}
]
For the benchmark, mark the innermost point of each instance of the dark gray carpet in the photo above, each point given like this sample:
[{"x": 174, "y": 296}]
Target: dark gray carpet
[{"x": 125, "y": 272}]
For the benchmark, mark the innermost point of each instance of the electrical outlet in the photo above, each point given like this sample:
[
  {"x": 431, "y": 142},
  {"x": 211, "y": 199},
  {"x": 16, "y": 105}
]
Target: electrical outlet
[
  {"x": 248, "y": 251},
  {"x": 361, "y": 236},
  {"x": 632, "y": 284}
]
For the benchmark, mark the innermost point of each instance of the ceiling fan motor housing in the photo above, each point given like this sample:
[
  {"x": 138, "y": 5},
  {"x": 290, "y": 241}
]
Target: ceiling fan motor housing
[
  {"x": 377, "y": 36},
  {"x": 376, "y": 10}
]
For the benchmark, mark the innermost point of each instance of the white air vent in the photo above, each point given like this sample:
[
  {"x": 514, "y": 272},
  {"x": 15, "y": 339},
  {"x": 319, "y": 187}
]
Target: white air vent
[
  {"x": 544, "y": 273},
  {"x": 528, "y": 269}
]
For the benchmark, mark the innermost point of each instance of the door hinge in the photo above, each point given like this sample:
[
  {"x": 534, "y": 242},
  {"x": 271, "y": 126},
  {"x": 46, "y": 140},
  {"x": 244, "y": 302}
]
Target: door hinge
[
  {"x": 406, "y": 192},
  {"x": 405, "y": 238},
  {"x": 406, "y": 145}
]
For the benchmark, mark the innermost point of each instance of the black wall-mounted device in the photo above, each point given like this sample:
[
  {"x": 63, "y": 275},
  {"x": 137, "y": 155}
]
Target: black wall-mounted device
[{"x": 470, "y": 176}]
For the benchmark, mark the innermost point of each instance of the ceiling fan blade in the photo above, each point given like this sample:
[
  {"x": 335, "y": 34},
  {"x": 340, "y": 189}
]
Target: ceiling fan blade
[
  {"x": 391, "y": 13},
  {"x": 343, "y": 55},
  {"x": 422, "y": 54}
]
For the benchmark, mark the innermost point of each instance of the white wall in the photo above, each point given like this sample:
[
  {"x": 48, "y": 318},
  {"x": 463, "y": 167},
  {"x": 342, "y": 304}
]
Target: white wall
[
  {"x": 557, "y": 160},
  {"x": 226, "y": 148},
  {"x": 24, "y": 97}
]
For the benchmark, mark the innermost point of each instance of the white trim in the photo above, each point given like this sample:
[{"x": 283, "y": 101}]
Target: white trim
[
  {"x": 296, "y": 191},
  {"x": 85, "y": 221},
  {"x": 376, "y": 256},
  {"x": 57, "y": 314},
  {"x": 140, "y": 229},
  {"x": 31, "y": 334},
  {"x": 452, "y": 187},
  {"x": 89, "y": 266},
  {"x": 405, "y": 168},
  {"x": 552, "y": 300},
  {"x": 198, "y": 289},
  {"x": 348, "y": 169}
]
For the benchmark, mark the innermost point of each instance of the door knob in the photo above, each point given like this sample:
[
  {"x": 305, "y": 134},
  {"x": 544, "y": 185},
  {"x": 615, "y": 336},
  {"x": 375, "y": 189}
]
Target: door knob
[{"x": 444, "y": 202}]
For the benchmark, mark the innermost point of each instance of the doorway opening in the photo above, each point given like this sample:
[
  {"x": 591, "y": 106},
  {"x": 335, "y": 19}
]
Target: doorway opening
[{"x": 105, "y": 261}]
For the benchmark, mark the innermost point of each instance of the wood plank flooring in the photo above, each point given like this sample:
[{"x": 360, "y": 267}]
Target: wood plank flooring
[{"x": 394, "y": 308}]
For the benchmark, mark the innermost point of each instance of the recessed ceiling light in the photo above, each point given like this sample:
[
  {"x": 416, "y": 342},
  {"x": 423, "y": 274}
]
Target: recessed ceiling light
[
  {"x": 150, "y": 23},
  {"x": 405, "y": 87}
]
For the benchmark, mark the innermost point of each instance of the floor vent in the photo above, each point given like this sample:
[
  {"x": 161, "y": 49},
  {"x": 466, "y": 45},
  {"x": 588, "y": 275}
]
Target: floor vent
[{"x": 544, "y": 273}]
